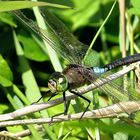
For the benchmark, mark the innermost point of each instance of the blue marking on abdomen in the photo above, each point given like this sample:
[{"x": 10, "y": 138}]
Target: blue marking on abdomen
[{"x": 99, "y": 70}]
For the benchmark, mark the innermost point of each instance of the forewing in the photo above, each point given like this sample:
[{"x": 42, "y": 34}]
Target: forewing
[
  {"x": 71, "y": 46},
  {"x": 57, "y": 36}
]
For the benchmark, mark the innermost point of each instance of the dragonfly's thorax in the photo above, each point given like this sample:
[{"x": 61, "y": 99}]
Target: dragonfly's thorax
[{"x": 77, "y": 75}]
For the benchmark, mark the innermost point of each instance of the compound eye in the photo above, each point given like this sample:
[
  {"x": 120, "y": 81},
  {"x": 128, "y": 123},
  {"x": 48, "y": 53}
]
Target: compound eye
[
  {"x": 58, "y": 83},
  {"x": 52, "y": 86}
]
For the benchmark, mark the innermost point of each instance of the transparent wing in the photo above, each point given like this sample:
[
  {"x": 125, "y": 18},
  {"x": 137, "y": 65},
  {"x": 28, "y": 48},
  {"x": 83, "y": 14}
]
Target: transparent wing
[
  {"x": 72, "y": 47},
  {"x": 113, "y": 88},
  {"x": 57, "y": 36},
  {"x": 119, "y": 93}
]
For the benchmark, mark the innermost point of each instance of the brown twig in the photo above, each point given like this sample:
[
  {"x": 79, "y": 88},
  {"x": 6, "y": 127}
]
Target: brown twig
[
  {"x": 41, "y": 106},
  {"x": 106, "y": 112}
]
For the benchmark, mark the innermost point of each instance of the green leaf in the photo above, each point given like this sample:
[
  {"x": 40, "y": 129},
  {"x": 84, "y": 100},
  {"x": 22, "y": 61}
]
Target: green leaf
[
  {"x": 32, "y": 90},
  {"x": 87, "y": 13},
  {"x": 136, "y": 7},
  {"x": 4, "y": 108},
  {"x": 134, "y": 11},
  {"x": 15, "y": 5},
  {"x": 5, "y": 71},
  {"x": 7, "y": 18},
  {"x": 31, "y": 49},
  {"x": 136, "y": 3},
  {"x": 5, "y": 82}
]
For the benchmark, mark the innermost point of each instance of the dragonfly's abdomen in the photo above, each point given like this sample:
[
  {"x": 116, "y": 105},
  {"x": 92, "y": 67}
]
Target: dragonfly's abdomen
[
  {"x": 77, "y": 75},
  {"x": 123, "y": 61},
  {"x": 120, "y": 62}
]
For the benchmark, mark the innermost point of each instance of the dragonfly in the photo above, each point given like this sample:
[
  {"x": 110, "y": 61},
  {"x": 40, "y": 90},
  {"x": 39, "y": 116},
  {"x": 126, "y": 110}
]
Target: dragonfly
[{"x": 76, "y": 74}]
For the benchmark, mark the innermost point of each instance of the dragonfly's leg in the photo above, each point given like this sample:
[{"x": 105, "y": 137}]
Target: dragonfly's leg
[
  {"x": 40, "y": 98},
  {"x": 84, "y": 99},
  {"x": 51, "y": 97},
  {"x": 66, "y": 106},
  {"x": 37, "y": 100}
]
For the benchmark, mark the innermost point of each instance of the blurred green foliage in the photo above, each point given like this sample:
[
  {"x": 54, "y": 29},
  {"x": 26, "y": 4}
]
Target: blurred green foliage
[{"x": 25, "y": 68}]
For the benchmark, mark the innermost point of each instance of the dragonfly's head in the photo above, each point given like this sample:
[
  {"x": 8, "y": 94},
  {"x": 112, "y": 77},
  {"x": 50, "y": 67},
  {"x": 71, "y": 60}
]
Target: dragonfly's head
[{"x": 58, "y": 82}]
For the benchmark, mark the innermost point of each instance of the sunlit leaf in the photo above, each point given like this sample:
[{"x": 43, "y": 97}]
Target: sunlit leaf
[
  {"x": 5, "y": 71},
  {"x": 32, "y": 49},
  {"x": 15, "y": 5},
  {"x": 5, "y": 82}
]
